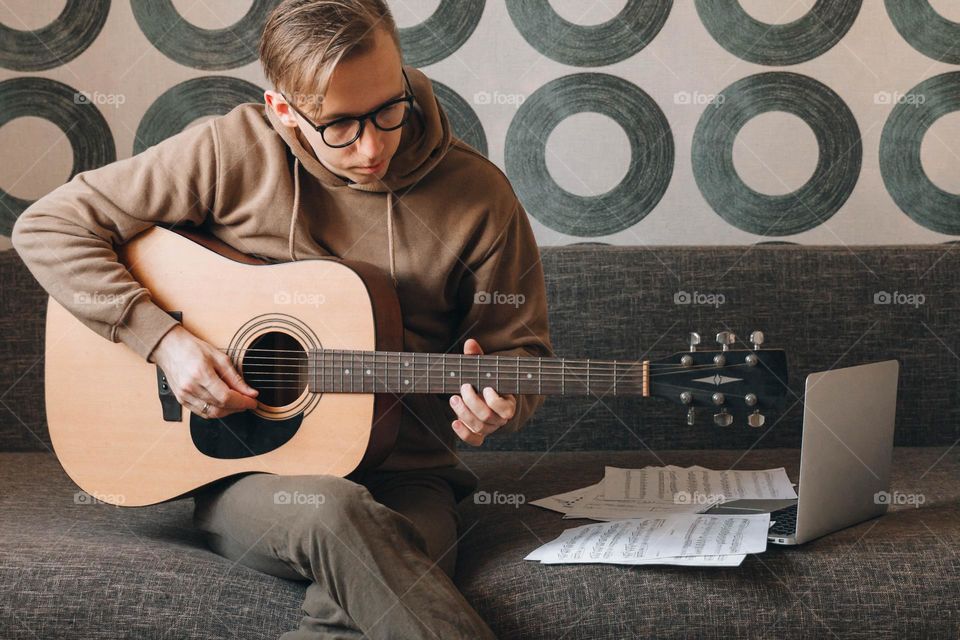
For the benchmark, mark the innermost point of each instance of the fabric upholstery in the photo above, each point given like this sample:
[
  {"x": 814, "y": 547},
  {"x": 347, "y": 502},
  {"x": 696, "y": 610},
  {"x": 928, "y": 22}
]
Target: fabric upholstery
[
  {"x": 817, "y": 303},
  {"x": 98, "y": 571}
]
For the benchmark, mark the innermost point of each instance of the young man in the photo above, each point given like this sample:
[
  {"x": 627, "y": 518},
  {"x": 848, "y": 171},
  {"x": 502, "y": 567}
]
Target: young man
[{"x": 351, "y": 157}]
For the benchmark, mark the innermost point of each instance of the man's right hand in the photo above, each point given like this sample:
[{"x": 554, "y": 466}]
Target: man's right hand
[{"x": 199, "y": 373}]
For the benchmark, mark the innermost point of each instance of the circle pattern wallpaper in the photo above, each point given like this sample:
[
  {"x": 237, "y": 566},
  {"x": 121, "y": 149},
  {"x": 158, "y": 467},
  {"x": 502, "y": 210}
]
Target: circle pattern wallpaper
[{"x": 617, "y": 123}]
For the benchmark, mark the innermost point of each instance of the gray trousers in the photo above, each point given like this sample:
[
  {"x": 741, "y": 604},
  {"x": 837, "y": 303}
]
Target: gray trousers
[{"x": 378, "y": 547}]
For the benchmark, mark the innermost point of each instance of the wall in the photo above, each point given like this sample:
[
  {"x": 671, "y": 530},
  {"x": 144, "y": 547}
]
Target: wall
[{"x": 620, "y": 121}]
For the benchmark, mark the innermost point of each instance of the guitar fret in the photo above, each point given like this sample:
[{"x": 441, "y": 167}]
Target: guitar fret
[{"x": 540, "y": 375}]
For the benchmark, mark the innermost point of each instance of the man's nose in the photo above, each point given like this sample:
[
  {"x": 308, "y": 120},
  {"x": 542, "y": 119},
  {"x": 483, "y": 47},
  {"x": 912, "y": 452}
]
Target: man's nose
[{"x": 370, "y": 143}]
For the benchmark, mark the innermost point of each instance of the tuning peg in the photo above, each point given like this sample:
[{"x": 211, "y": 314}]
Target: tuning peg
[
  {"x": 691, "y": 416},
  {"x": 726, "y": 338},
  {"x": 693, "y": 340},
  {"x": 722, "y": 419},
  {"x": 756, "y": 339},
  {"x": 756, "y": 419}
]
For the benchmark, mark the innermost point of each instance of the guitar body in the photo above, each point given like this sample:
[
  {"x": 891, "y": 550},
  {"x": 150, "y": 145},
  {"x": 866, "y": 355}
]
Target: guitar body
[
  {"x": 321, "y": 340},
  {"x": 104, "y": 408}
]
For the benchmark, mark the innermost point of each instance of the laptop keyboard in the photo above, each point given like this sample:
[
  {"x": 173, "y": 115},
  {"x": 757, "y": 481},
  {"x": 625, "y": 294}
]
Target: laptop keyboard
[{"x": 786, "y": 521}]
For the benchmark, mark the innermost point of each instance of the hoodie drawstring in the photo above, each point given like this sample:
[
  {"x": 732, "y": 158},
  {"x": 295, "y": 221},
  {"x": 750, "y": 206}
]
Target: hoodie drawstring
[
  {"x": 393, "y": 264},
  {"x": 296, "y": 207}
]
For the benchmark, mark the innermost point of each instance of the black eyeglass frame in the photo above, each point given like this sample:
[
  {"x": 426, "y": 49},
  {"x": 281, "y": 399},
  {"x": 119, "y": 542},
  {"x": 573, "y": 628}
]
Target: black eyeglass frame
[{"x": 371, "y": 115}]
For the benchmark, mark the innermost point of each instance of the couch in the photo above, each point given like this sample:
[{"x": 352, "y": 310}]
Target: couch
[{"x": 72, "y": 569}]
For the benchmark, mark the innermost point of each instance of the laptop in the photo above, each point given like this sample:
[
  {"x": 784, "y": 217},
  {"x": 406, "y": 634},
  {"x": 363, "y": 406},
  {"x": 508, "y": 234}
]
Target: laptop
[{"x": 845, "y": 455}]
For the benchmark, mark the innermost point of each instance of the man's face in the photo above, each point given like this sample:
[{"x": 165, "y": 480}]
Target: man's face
[{"x": 358, "y": 85}]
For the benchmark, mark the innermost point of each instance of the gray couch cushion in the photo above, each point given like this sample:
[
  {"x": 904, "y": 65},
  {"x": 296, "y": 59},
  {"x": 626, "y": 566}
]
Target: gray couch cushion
[
  {"x": 618, "y": 302},
  {"x": 96, "y": 571}
]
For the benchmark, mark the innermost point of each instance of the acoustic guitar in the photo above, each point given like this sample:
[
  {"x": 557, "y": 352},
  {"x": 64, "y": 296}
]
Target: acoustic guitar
[{"x": 322, "y": 341}]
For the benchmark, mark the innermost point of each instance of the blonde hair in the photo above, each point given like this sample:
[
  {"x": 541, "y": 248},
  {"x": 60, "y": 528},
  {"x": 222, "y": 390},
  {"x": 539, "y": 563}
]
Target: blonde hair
[{"x": 304, "y": 40}]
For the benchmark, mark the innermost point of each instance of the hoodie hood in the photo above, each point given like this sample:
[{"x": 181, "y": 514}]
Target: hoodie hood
[{"x": 424, "y": 141}]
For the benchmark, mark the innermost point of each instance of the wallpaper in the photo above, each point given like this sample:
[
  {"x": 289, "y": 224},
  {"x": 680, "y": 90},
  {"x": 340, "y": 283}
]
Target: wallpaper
[{"x": 628, "y": 122}]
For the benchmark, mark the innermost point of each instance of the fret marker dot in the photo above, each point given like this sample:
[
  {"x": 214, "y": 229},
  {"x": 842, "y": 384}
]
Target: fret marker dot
[
  {"x": 406, "y": 363},
  {"x": 452, "y": 374},
  {"x": 346, "y": 371},
  {"x": 368, "y": 371},
  {"x": 529, "y": 375},
  {"x": 405, "y": 381},
  {"x": 488, "y": 374}
]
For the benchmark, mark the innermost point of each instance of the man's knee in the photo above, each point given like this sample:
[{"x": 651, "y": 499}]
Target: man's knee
[{"x": 330, "y": 506}]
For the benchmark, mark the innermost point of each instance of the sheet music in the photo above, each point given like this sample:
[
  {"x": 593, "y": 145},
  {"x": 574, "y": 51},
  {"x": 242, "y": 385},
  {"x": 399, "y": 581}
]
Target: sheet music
[
  {"x": 695, "y": 485},
  {"x": 685, "y": 539}
]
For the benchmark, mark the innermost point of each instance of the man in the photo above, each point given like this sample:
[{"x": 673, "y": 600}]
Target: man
[{"x": 351, "y": 157}]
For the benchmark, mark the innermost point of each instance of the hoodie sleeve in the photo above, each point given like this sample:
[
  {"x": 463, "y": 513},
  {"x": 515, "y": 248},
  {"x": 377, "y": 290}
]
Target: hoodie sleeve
[
  {"x": 67, "y": 237},
  {"x": 506, "y": 304}
]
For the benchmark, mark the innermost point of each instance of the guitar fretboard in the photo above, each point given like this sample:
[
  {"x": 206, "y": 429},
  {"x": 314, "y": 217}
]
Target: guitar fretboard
[{"x": 347, "y": 371}]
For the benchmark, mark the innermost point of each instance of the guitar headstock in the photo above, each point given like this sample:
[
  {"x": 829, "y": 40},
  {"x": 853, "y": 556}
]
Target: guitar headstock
[{"x": 733, "y": 384}]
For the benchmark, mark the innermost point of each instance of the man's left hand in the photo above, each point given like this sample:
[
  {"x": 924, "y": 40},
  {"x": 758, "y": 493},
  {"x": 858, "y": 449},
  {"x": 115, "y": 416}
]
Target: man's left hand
[{"x": 479, "y": 416}]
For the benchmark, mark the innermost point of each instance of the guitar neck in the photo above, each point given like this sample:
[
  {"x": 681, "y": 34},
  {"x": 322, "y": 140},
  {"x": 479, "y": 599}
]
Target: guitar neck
[{"x": 346, "y": 371}]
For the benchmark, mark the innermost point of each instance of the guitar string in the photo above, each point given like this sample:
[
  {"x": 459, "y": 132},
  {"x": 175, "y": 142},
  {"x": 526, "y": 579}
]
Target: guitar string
[
  {"x": 504, "y": 363},
  {"x": 352, "y": 354},
  {"x": 506, "y": 369},
  {"x": 626, "y": 379}
]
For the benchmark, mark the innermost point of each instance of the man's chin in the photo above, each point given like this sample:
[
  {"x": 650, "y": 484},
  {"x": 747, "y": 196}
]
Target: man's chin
[{"x": 364, "y": 177}]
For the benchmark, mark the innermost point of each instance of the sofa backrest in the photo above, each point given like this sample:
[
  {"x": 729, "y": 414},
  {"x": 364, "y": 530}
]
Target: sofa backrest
[{"x": 828, "y": 307}]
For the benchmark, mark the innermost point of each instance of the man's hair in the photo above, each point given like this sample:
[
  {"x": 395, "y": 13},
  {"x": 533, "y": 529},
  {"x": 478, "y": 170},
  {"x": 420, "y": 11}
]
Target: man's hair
[{"x": 304, "y": 40}]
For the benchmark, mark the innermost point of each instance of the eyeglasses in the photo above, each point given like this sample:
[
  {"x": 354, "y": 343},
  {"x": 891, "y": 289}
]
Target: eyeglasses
[{"x": 343, "y": 132}]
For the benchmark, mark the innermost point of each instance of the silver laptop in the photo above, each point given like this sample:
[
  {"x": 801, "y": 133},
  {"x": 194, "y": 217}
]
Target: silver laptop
[{"x": 845, "y": 455}]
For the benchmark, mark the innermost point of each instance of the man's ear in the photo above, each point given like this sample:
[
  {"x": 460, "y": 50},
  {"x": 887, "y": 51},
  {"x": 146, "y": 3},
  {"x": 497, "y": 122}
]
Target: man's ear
[{"x": 275, "y": 101}]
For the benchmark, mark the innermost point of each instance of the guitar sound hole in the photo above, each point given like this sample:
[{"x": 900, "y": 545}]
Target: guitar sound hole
[{"x": 276, "y": 365}]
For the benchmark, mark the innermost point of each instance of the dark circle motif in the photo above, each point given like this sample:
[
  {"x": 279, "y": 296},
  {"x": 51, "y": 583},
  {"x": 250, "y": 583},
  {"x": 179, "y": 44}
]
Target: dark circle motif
[
  {"x": 651, "y": 145},
  {"x": 463, "y": 119},
  {"x": 57, "y": 43},
  {"x": 926, "y": 30},
  {"x": 833, "y": 179},
  {"x": 620, "y": 37},
  {"x": 79, "y": 119},
  {"x": 442, "y": 33},
  {"x": 183, "y": 103},
  {"x": 823, "y": 26},
  {"x": 192, "y": 46},
  {"x": 903, "y": 174}
]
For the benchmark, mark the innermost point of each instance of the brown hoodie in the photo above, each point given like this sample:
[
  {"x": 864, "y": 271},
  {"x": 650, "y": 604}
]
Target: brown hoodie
[{"x": 444, "y": 222}]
